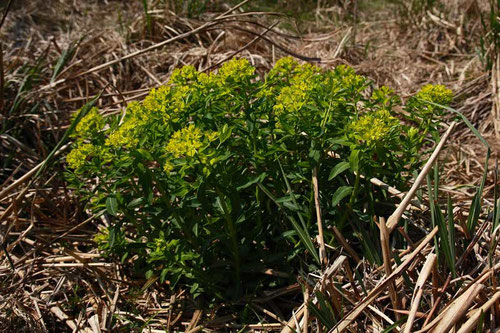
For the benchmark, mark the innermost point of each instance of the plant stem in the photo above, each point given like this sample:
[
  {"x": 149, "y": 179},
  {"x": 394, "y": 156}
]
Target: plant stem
[
  {"x": 234, "y": 237},
  {"x": 354, "y": 194}
]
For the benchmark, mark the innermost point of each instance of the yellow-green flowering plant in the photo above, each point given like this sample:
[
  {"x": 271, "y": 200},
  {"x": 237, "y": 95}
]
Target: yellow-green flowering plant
[{"x": 208, "y": 180}]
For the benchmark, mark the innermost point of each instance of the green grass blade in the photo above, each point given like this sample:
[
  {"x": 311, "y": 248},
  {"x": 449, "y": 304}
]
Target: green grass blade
[
  {"x": 61, "y": 62},
  {"x": 433, "y": 208},
  {"x": 480, "y": 323},
  {"x": 444, "y": 241},
  {"x": 443, "y": 238},
  {"x": 324, "y": 311},
  {"x": 451, "y": 232},
  {"x": 475, "y": 208},
  {"x": 396, "y": 324},
  {"x": 83, "y": 112},
  {"x": 304, "y": 236},
  {"x": 287, "y": 183}
]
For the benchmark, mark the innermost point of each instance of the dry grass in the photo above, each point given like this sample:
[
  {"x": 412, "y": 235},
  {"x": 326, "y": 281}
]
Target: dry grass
[{"x": 55, "y": 280}]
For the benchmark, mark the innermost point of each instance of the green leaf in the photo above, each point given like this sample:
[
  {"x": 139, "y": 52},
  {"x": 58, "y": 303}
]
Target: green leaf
[
  {"x": 145, "y": 154},
  {"x": 315, "y": 154},
  {"x": 163, "y": 275},
  {"x": 341, "y": 193},
  {"x": 194, "y": 288},
  {"x": 288, "y": 233},
  {"x": 354, "y": 160},
  {"x": 338, "y": 141},
  {"x": 135, "y": 203},
  {"x": 111, "y": 206},
  {"x": 124, "y": 257},
  {"x": 113, "y": 235},
  {"x": 451, "y": 231},
  {"x": 476, "y": 201},
  {"x": 338, "y": 169},
  {"x": 252, "y": 181},
  {"x": 496, "y": 200},
  {"x": 225, "y": 133},
  {"x": 290, "y": 205},
  {"x": 444, "y": 240}
]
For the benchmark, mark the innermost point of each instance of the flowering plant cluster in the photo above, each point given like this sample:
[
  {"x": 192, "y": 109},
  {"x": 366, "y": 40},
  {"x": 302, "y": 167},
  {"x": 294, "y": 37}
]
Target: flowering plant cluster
[{"x": 208, "y": 181}]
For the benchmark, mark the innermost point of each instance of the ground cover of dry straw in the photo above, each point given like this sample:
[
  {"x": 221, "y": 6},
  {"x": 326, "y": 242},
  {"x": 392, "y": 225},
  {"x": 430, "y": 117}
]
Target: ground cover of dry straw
[{"x": 56, "y": 55}]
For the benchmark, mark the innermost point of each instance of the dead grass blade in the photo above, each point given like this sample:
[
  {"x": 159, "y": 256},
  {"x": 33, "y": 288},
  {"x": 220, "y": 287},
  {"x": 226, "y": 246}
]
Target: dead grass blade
[
  {"x": 457, "y": 309},
  {"x": 321, "y": 238},
  {"x": 243, "y": 48},
  {"x": 361, "y": 306},
  {"x": 387, "y": 256},
  {"x": 469, "y": 325},
  {"x": 346, "y": 245},
  {"x": 417, "y": 294}
]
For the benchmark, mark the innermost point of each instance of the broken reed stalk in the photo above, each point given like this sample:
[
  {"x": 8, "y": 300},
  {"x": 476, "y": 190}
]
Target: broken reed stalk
[
  {"x": 394, "y": 218},
  {"x": 64, "y": 317},
  {"x": 419, "y": 290},
  {"x": 297, "y": 315},
  {"x": 469, "y": 325},
  {"x": 194, "y": 321},
  {"x": 321, "y": 238},
  {"x": 387, "y": 255},
  {"x": 306, "y": 310},
  {"x": 372, "y": 295},
  {"x": 437, "y": 299},
  {"x": 270, "y": 314},
  {"x": 346, "y": 245},
  {"x": 350, "y": 276},
  {"x": 435, "y": 284},
  {"x": 485, "y": 275},
  {"x": 300, "y": 312},
  {"x": 456, "y": 310}
]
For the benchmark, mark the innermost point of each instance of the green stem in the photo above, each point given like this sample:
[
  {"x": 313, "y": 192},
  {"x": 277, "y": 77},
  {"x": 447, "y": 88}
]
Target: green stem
[
  {"x": 231, "y": 227},
  {"x": 354, "y": 194},
  {"x": 233, "y": 234}
]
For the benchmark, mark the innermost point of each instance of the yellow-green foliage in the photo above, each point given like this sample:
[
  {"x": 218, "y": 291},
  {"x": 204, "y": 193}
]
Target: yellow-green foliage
[
  {"x": 78, "y": 156},
  {"x": 374, "y": 128},
  {"x": 92, "y": 123},
  {"x": 211, "y": 174},
  {"x": 188, "y": 141},
  {"x": 438, "y": 94}
]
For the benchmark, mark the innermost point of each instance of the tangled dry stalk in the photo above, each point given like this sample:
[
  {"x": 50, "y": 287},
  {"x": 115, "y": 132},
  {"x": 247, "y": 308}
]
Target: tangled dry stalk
[{"x": 53, "y": 279}]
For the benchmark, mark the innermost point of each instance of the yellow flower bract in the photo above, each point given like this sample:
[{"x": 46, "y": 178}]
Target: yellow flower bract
[
  {"x": 188, "y": 141},
  {"x": 438, "y": 94},
  {"x": 76, "y": 158},
  {"x": 373, "y": 128},
  {"x": 126, "y": 134},
  {"x": 237, "y": 70},
  {"x": 90, "y": 124},
  {"x": 293, "y": 96}
]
